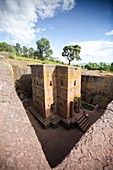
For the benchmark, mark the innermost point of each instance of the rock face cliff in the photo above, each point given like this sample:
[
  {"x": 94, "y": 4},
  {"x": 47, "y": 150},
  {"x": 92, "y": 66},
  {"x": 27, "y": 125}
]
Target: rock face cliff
[
  {"x": 20, "y": 149},
  {"x": 22, "y": 75},
  {"x": 97, "y": 88}
]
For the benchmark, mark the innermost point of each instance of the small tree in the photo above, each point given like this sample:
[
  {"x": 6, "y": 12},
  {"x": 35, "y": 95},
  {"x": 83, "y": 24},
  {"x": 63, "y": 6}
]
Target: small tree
[
  {"x": 43, "y": 49},
  {"x": 71, "y": 52},
  {"x": 111, "y": 67},
  {"x": 35, "y": 54},
  {"x": 25, "y": 51},
  {"x": 31, "y": 52},
  {"x": 11, "y": 48},
  {"x": 6, "y": 47},
  {"x": 18, "y": 48},
  {"x": 3, "y": 46}
]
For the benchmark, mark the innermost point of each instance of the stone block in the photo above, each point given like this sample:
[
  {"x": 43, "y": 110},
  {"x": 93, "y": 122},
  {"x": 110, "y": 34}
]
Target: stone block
[
  {"x": 49, "y": 71},
  {"x": 39, "y": 71},
  {"x": 62, "y": 82},
  {"x": 55, "y": 84},
  {"x": 49, "y": 93},
  {"x": 62, "y": 71},
  {"x": 62, "y": 93}
]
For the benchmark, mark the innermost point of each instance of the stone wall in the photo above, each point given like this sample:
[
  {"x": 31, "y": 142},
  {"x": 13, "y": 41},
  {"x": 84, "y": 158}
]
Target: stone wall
[{"x": 97, "y": 89}]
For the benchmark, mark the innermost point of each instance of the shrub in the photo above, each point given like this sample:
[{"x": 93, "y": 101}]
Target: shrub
[
  {"x": 11, "y": 55},
  {"x": 95, "y": 66},
  {"x": 111, "y": 67},
  {"x": 88, "y": 107}
]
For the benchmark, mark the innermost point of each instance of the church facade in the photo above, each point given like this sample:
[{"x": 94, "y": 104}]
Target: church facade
[{"x": 56, "y": 92}]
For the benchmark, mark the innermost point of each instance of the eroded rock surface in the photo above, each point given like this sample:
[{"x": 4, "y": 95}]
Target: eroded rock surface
[
  {"x": 95, "y": 149},
  {"x": 19, "y": 146},
  {"x": 96, "y": 88}
]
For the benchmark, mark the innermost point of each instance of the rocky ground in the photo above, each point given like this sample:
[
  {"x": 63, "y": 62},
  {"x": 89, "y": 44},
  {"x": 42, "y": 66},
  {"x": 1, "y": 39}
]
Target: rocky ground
[
  {"x": 20, "y": 149},
  {"x": 96, "y": 73}
]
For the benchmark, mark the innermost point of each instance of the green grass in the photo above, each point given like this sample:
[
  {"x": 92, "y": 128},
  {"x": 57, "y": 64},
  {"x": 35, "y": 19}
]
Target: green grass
[
  {"x": 36, "y": 61},
  {"x": 88, "y": 107}
]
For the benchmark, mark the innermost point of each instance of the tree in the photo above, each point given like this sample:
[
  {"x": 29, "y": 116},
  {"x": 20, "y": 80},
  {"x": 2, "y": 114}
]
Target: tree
[
  {"x": 71, "y": 52},
  {"x": 3, "y": 46},
  {"x": 11, "y": 48},
  {"x": 111, "y": 68},
  {"x": 35, "y": 54},
  {"x": 31, "y": 52},
  {"x": 96, "y": 66},
  {"x": 6, "y": 47},
  {"x": 18, "y": 48},
  {"x": 43, "y": 49},
  {"x": 25, "y": 51},
  {"x": 92, "y": 66}
]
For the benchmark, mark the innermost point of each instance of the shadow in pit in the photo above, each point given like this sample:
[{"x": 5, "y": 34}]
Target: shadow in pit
[
  {"x": 57, "y": 143},
  {"x": 24, "y": 84}
]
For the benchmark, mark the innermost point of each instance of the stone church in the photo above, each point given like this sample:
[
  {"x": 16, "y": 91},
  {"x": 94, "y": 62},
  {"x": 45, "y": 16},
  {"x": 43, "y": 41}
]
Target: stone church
[{"x": 56, "y": 92}]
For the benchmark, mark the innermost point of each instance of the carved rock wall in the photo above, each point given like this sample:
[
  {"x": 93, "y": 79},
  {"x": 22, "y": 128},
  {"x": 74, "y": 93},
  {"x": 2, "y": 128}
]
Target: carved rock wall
[
  {"x": 22, "y": 75},
  {"x": 97, "y": 89},
  {"x": 19, "y": 147}
]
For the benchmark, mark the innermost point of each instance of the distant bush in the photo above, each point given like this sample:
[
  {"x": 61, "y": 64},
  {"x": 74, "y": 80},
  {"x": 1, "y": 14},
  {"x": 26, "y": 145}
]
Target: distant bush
[
  {"x": 92, "y": 66},
  {"x": 6, "y": 47},
  {"x": 111, "y": 68},
  {"x": 100, "y": 66},
  {"x": 11, "y": 55}
]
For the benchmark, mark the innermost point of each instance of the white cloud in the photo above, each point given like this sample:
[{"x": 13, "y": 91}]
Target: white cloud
[
  {"x": 40, "y": 30},
  {"x": 95, "y": 51},
  {"x": 52, "y": 28},
  {"x": 18, "y": 17},
  {"x": 109, "y": 33},
  {"x": 68, "y": 5}
]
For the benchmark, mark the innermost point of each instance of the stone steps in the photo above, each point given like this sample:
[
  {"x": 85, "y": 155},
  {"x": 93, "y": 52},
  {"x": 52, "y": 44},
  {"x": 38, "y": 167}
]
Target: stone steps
[
  {"x": 86, "y": 126},
  {"x": 55, "y": 120},
  {"x": 42, "y": 120},
  {"x": 81, "y": 119},
  {"x": 83, "y": 123}
]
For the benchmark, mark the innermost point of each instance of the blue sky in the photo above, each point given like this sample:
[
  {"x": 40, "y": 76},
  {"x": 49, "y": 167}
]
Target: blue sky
[{"x": 63, "y": 22}]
